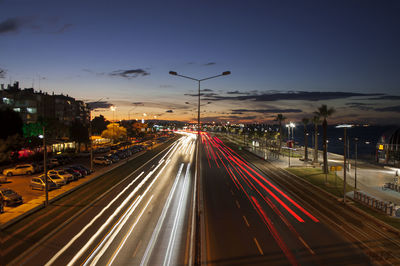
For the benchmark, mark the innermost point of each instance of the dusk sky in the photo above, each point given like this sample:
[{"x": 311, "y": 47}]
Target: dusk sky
[{"x": 285, "y": 56}]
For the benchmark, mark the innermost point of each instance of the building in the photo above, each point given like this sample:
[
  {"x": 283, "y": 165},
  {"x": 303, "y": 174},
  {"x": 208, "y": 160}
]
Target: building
[
  {"x": 388, "y": 148},
  {"x": 32, "y": 105}
]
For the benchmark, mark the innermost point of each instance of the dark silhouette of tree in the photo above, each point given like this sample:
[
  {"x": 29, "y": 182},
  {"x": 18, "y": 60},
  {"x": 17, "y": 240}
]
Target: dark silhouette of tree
[
  {"x": 79, "y": 133},
  {"x": 280, "y": 118},
  {"x": 305, "y": 123},
  {"x": 99, "y": 124},
  {"x": 325, "y": 112},
  {"x": 11, "y": 123}
]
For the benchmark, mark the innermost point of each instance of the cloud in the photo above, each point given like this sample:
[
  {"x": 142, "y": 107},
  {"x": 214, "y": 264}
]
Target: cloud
[
  {"x": 11, "y": 25},
  {"x": 386, "y": 97},
  {"x": 206, "y": 90},
  {"x": 169, "y": 111},
  {"x": 99, "y": 105},
  {"x": 360, "y": 106},
  {"x": 266, "y": 111},
  {"x": 292, "y": 96},
  {"x": 211, "y": 94},
  {"x": 237, "y": 92},
  {"x": 209, "y": 64},
  {"x": 131, "y": 73},
  {"x": 395, "y": 109},
  {"x": 64, "y": 28}
]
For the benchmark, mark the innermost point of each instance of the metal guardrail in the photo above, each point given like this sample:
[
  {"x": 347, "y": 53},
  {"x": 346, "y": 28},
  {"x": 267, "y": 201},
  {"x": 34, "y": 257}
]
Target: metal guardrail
[{"x": 387, "y": 208}]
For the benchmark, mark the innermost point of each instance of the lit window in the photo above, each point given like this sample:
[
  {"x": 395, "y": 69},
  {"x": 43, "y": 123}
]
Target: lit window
[
  {"x": 7, "y": 100},
  {"x": 31, "y": 110},
  {"x": 17, "y": 110}
]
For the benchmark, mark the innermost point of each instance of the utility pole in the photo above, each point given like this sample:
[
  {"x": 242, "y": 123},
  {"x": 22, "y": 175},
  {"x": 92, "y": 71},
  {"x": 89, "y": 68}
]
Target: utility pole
[
  {"x": 355, "y": 165},
  {"x": 45, "y": 167}
]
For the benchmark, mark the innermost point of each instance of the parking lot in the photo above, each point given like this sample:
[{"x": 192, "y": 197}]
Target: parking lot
[{"x": 21, "y": 183}]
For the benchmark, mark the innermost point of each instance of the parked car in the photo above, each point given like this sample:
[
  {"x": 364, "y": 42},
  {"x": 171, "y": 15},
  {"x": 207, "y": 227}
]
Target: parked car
[
  {"x": 55, "y": 178},
  {"x": 63, "y": 174},
  {"x": 112, "y": 157},
  {"x": 84, "y": 168},
  {"x": 21, "y": 169},
  {"x": 101, "y": 161},
  {"x": 39, "y": 183},
  {"x": 82, "y": 171},
  {"x": 10, "y": 197},
  {"x": 73, "y": 172}
]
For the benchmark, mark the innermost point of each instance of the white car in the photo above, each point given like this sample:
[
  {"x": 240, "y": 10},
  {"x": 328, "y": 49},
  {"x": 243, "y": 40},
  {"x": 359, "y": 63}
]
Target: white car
[
  {"x": 62, "y": 174},
  {"x": 55, "y": 179}
]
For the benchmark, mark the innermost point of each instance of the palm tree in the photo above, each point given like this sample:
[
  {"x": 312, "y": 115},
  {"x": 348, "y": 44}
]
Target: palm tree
[
  {"x": 324, "y": 112},
  {"x": 280, "y": 118},
  {"x": 316, "y": 122},
  {"x": 305, "y": 123}
]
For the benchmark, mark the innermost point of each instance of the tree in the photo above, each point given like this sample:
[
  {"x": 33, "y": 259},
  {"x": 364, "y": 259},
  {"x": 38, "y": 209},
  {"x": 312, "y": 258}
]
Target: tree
[
  {"x": 114, "y": 132},
  {"x": 79, "y": 133},
  {"x": 11, "y": 124},
  {"x": 280, "y": 118},
  {"x": 305, "y": 123},
  {"x": 139, "y": 129},
  {"x": 316, "y": 122},
  {"x": 325, "y": 112},
  {"x": 99, "y": 124}
]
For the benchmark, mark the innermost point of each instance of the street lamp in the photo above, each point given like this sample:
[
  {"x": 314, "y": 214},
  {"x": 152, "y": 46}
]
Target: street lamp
[
  {"x": 345, "y": 127},
  {"x": 291, "y": 127},
  {"x": 199, "y": 81},
  {"x": 355, "y": 165},
  {"x": 113, "y": 108}
]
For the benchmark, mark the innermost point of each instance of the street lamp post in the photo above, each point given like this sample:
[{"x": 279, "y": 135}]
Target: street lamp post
[
  {"x": 198, "y": 82},
  {"x": 46, "y": 187},
  {"x": 355, "y": 165},
  {"x": 345, "y": 127},
  {"x": 198, "y": 130},
  {"x": 290, "y": 128}
]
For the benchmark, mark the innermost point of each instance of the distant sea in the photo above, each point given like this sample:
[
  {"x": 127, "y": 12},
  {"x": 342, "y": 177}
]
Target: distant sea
[{"x": 367, "y": 139}]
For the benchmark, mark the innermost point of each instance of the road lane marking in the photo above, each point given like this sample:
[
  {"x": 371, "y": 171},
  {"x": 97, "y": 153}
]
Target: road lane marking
[
  {"x": 307, "y": 246},
  {"x": 258, "y": 246},
  {"x": 128, "y": 234},
  {"x": 245, "y": 220},
  {"x": 154, "y": 236},
  {"x": 237, "y": 204},
  {"x": 136, "y": 249}
]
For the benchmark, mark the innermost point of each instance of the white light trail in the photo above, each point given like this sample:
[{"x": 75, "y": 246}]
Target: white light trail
[
  {"x": 91, "y": 222},
  {"x": 129, "y": 233},
  {"x": 171, "y": 243},
  {"x": 160, "y": 222},
  {"x": 112, "y": 235}
]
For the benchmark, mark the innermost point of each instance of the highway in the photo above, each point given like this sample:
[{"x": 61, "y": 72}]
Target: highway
[
  {"x": 251, "y": 220},
  {"x": 145, "y": 219}
]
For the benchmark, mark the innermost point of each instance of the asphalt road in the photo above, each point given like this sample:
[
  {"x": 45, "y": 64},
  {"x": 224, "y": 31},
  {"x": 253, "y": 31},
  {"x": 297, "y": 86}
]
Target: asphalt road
[
  {"x": 145, "y": 219},
  {"x": 251, "y": 220}
]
